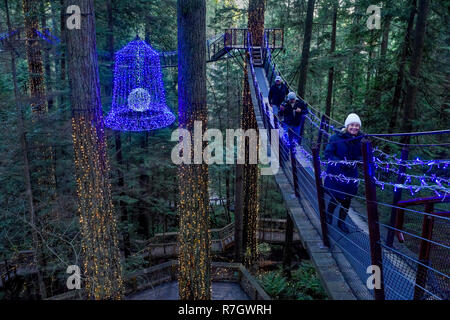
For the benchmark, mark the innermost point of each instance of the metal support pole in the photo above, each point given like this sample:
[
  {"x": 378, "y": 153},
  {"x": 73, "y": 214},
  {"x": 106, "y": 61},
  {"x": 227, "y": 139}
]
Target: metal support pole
[
  {"x": 424, "y": 252},
  {"x": 372, "y": 214},
  {"x": 320, "y": 194},
  {"x": 293, "y": 162},
  {"x": 280, "y": 138},
  {"x": 268, "y": 123},
  {"x": 397, "y": 197}
]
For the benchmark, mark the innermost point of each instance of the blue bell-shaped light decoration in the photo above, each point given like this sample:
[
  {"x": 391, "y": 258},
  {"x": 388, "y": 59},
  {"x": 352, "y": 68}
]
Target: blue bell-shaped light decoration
[{"x": 138, "y": 101}]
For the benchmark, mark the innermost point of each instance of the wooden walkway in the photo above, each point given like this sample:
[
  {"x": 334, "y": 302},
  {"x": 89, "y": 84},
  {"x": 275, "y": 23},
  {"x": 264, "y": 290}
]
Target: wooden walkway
[
  {"x": 169, "y": 291},
  {"x": 164, "y": 245},
  {"x": 333, "y": 268}
]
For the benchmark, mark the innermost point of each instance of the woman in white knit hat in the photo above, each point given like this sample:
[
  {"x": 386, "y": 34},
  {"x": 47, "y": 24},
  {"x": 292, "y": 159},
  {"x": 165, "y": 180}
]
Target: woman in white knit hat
[{"x": 343, "y": 146}]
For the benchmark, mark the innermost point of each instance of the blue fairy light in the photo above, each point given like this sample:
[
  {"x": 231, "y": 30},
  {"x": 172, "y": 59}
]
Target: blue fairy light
[{"x": 138, "y": 101}]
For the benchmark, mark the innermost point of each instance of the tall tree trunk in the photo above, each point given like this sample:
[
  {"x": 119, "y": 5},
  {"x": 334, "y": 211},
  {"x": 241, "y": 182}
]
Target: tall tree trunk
[
  {"x": 142, "y": 216},
  {"x": 37, "y": 241},
  {"x": 43, "y": 179},
  {"x": 54, "y": 13},
  {"x": 401, "y": 69},
  {"x": 409, "y": 114},
  {"x": 305, "y": 51},
  {"x": 382, "y": 62},
  {"x": 34, "y": 58},
  {"x": 239, "y": 214},
  {"x": 117, "y": 138},
  {"x": 227, "y": 171},
  {"x": 121, "y": 185},
  {"x": 62, "y": 61},
  {"x": 48, "y": 72},
  {"x": 110, "y": 18},
  {"x": 250, "y": 183},
  {"x": 370, "y": 66},
  {"x": 194, "y": 239},
  {"x": 247, "y": 175},
  {"x": 331, "y": 70},
  {"x": 45, "y": 168},
  {"x": 100, "y": 248},
  {"x": 256, "y": 21}
]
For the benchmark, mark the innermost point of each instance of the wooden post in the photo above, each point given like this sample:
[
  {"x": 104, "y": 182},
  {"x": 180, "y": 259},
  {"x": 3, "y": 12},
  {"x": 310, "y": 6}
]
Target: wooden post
[
  {"x": 274, "y": 41},
  {"x": 319, "y": 136},
  {"x": 397, "y": 197},
  {"x": 320, "y": 194},
  {"x": 372, "y": 214},
  {"x": 424, "y": 252}
]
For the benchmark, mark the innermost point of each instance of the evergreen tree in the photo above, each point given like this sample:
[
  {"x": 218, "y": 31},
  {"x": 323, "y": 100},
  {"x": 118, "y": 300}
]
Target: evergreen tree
[
  {"x": 101, "y": 257},
  {"x": 194, "y": 241}
]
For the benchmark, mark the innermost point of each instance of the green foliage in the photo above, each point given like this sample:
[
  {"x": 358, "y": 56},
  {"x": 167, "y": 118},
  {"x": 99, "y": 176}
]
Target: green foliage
[
  {"x": 275, "y": 285},
  {"x": 307, "y": 282},
  {"x": 304, "y": 284},
  {"x": 360, "y": 73}
]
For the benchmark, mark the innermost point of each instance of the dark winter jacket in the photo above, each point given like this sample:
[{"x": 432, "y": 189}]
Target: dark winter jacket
[
  {"x": 343, "y": 146},
  {"x": 277, "y": 94},
  {"x": 291, "y": 117}
]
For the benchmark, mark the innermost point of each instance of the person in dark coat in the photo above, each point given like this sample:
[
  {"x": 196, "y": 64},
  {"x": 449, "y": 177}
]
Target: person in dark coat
[
  {"x": 345, "y": 145},
  {"x": 277, "y": 94},
  {"x": 294, "y": 111}
]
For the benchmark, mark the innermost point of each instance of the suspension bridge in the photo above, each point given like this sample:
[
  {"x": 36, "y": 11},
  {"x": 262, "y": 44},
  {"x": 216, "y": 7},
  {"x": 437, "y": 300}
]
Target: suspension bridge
[
  {"x": 412, "y": 256},
  {"x": 408, "y": 240}
]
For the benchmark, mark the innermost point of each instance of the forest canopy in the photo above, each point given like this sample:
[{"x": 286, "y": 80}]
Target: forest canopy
[{"x": 339, "y": 66}]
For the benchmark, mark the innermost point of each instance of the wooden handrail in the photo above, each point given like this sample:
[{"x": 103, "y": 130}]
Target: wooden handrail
[
  {"x": 167, "y": 271},
  {"x": 420, "y": 201},
  {"x": 237, "y": 37},
  {"x": 400, "y": 217}
]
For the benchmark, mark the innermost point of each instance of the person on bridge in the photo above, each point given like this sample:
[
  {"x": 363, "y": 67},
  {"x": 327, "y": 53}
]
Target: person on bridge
[
  {"x": 277, "y": 94},
  {"x": 294, "y": 111},
  {"x": 343, "y": 146}
]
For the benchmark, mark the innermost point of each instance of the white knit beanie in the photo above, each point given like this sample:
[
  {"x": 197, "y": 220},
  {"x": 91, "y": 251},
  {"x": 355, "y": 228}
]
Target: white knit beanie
[
  {"x": 352, "y": 118},
  {"x": 292, "y": 95},
  {"x": 278, "y": 78}
]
